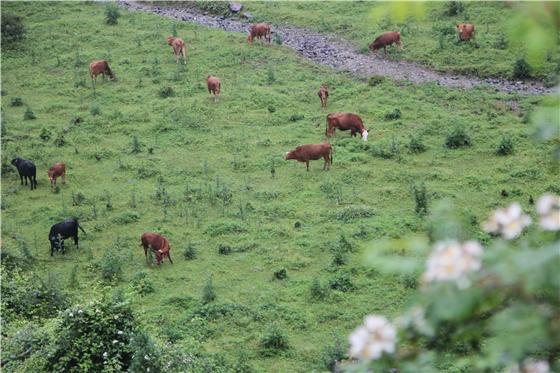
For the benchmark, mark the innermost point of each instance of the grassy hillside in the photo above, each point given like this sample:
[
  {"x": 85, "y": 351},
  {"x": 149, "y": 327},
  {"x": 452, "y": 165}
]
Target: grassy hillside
[
  {"x": 430, "y": 40},
  {"x": 200, "y": 172}
]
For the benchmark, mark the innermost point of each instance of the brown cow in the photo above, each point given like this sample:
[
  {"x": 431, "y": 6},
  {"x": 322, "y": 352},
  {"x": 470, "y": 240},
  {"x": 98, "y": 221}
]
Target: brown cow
[
  {"x": 158, "y": 244},
  {"x": 58, "y": 169},
  {"x": 323, "y": 95},
  {"x": 344, "y": 122},
  {"x": 465, "y": 31},
  {"x": 179, "y": 48},
  {"x": 259, "y": 30},
  {"x": 100, "y": 67},
  {"x": 386, "y": 39},
  {"x": 214, "y": 86},
  {"x": 312, "y": 152}
]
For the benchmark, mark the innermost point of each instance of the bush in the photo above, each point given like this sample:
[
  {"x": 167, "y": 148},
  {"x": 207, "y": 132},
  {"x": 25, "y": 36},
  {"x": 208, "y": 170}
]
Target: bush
[
  {"x": 127, "y": 217},
  {"x": 145, "y": 355},
  {"x": 376, "y": 80},
  {"x": 501, "y": 42},
  {"x": 59, "y": 141},
  {"x": 416, "y": 145},
  {"x": 110, "y": 267},
  {"x": 350, "y": 213},
  {"x": 341, "y": 281},
  {"x": 215, "y": 7},
  {"x": 224, "y": 249},
  {"x": 208, "y": 294},
  {"x": 165, "y": 92},
  {"x": 392, "y": 115},
  {"x": 271, "y": 109},
  {"x": 13, "y": 29},
  {"x": 16, "y": 101},
  {"x": 136, "y": 146},
  {"x": 296, "y": 117},
  {"x": 281, "y": 274},
  {"x": 29, "y": 114},
  {"x": 141, "y": 284},
  {"x": 452, "y": 8},
  {"x": 457, "y": 138},
  {"x": 317, "y": 290},
  {"x": 95, "y": 110},
  {"x": 78, "y": 198},
  {"x": 333, "y": 352},
  {"x": 505, "y": 147},
  {"x": 45, "y": 134},
  {"x": 112, "y": 14},
  {"x": 274, "y": 341},
  {"x": 521, "y": 69},
  {"x": 190, "y": 251},
  {"x": 421, "y": 198}
]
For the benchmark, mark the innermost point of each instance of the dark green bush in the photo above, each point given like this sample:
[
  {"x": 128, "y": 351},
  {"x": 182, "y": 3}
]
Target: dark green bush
[
  {"x": 95, "y": 110},
  {"x": 281, "y": 274},
  {"x": 224, "y": 249},
  {"x": 416, "y": 145},
  {"x": 274, "y": 340},
  {"x": 505, "y": 147},
  {"x": 521, "y": 69},
  {"x": 334, "y": 351},
  {"x": 392, "y": 115},
  {"x": 341, "y": 281},
  {"x": 190, "y": 251},
  {"x": 452, "y": 8},
  {"x": 16, "y": 101},
  {"x": 142, "y": 284},
  {"x": 353, "y": 212},
  {"x": 208, "y": 293},
  {"x": 215, "y": 7},
  {"x": 296, "y": 117},
  {"x": 29, "y": 114},
  {"x": 376, "y": 80},
  {"x": 127, "y": 217},
  {"x": 501, "y": 42},
  {"x": 457, "y": 138},
  {"x": 271, "y": 109},
  {"x": 59, "y": 141},
  {"x": 166, "y": 92},
  {"x": 13, "y": 29},
  {"x": 317, "y": 290},
  {"x": 136, "y": 146},
  {"x": 110, "y": 267},
  {"x": 45, "y": 134},
  {"x": 421, "y": 198},
  {"x": 112, "y": 14}
]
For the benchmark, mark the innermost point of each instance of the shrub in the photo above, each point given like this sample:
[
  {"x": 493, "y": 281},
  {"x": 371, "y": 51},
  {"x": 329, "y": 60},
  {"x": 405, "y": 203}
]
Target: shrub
[
  {"x": 110, "y": 267},
  {"x": 392, "y": 115},
  {"x": 112, "y": 14},
  {"x": 341, "y": 281},
  {"x": 208, "y": 294},
  {"x": 457, "y": 138},
  {"x": 136, "y": 146},
  {"x": 145, "y": 356},
  {"x": 421, "y": 198},
  {"x": 127, "y": 217},
  {"x": 387, "y": 150},
  {"x": 339, "y": 257},
  {"x": 225, "y": 227},
  {"x": 95, "y": 110},
  {"x": 190, "y": 251},
  {"x": 270, "y": 78},
  {"x": 501, "y": 42},
  {"x": 59, "y": 141},
  {"x": 281, "y": 274},
  {"x": 274, "y": 341},
  {"x": 271, "y": 109},
  {"x": 16, "y": 101},
  {"x": 416, "y": 145},
  {"x": 296, "y": 117},
  {"x": 224, "y": 249},
  {"x": 215, "y": 7},
  {"x": 376, "y": 80},
  {"x": 13, "y": 29},
  {"x": 350, "y": 213},
  {"x": 142, "y": 284},
  {"x": 29, "y": 114},
  {"x": 317, "y": 290},
  {"x": 78, "y": 198},
  {"x": 521, "y": 69},
  {"x": 333, "y": 352},
  {"x": 452, "y": 8},
  {"x": 277, "y": 39},
  {"x": 165, "y": 92},
  {"x": 45, "y": 134},
  {"x": 505, "y": 147}
]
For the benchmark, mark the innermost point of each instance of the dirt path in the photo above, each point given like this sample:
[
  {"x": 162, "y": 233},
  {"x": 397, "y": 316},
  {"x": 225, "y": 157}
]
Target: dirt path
[{"x": 339, "y": 54}]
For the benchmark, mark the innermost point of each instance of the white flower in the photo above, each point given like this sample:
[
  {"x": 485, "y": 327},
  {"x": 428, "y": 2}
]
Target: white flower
[
  {"x": 71, "y": 314},
  {"x": 146, "y": 357},
  {"x": 115, "y": 341},
  {"x": 509, "y": 222},
  {"x": 548, "y": 207},
  {"x": 80, "y": 311},
  {"x": 105, "y": 354},
  {"x": 372, "y": 339},
  {"x": 120, "y": 332},
  {"x": 534, "y": 366},
  {"x": 451, "y": 261}
]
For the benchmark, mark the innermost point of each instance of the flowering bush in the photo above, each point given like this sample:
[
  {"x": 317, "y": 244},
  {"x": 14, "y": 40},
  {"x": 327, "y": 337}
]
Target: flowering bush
[{"x": 492, "y": 309}]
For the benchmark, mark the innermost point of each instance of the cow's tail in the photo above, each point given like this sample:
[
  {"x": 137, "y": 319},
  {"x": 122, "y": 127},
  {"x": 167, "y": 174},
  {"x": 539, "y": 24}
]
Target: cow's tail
[
  {"x": 82, "y": 229},
  {"x": 330, "y": 155}
]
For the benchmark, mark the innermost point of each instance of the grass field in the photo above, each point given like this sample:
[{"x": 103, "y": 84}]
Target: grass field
[
  {"x": 211, "y": 173},
  {"x": 430, "y": 40}
]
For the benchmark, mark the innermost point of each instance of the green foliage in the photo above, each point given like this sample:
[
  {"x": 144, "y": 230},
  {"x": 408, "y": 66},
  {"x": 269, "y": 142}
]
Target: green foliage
[
  {"x": 521, "y": 69},
  {"x": 353, "y": 212},
  {"x": 416, "y": 145},
  {"x": 29, "y": 114},
  {"x": 112, "y": 14},
  {"x": 334, "y": 352},
  {"x": 145, "y": 356},
  {"x": 386, "y": 150},
  {"x": 190, "y": 251},
  {"x": 167, "y": 91},
  {"x": 13, "y": 30},
  {"x": 127, "y": 217},
  {"x": 341, "y": 281},
  {"x": 317, "y": 290},
  {"x": 457, "y": 138},
  {"x": 376, "y": 80},
  {"x": 136, "y": 146},
  {"x": 505, "y": 147},
  {"x": 110, "y": 266},
  {"x": 16, "y": 101},
  {"x": 213, "y": 7},
  {"x": 142, "y": 284},
  {"x": 281, "y": 274},
  {"x": 208, "y": 293},
  {"x": 392, "y": 115},
  {"x": 453, "y": 8},
  {"x": 274, "y": 341},
  {"x": 420, "y": 198},
  {"x": 95, "y": 110}
]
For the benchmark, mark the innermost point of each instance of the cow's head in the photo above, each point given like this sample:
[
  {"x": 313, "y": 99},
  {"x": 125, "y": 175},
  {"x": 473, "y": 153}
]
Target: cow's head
[
  {"x": 365, "y": 133},
  {"x": 51, "y": 175},
  {"x": 287, "y": 156},
  {"x": 16, "y": 161},
  {"x": 170, "y": 40}
]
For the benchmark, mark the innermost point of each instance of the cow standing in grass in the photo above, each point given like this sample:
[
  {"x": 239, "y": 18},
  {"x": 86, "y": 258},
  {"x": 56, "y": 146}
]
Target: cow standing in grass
[
  {"x": 26, "y": 170},
  {"x": 312, "y": 152},
  {"x": 323, "y": 95},
  {"x": 214, "y": 86},
  {"x": 100, "y": 67},
  {"x": 158, "y": 244},
  {"x": 385, "y": 39},
  {"x": 179, "y": 48},
  {"x": 57, "y": 170},
  {"x": 464, "y": 31},
  {"x": 259, "y": 30},
  {"x": 345, "y": 122},
  {"x": 61, "y": 231}
]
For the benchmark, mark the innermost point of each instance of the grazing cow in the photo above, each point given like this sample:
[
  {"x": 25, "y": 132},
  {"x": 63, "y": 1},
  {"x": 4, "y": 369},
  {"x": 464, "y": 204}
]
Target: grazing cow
[
  {"x": 27, "y": 170},
  {"x": 323, "y": 95},
  {"x": 158, "y": 244},
  {"x": 58, "y": 169},
  {"x": 100, "y": 67},
  {"x": 214, "y": 86},
  {"x": 61, "y": 231},
  {"x": 344, "y": 122},
  {"x": 465, "y": 31},
  {"x": 179, "y": 48},
  {"x": 386, "y": 39},
  {"x": 312, "y": 152},
  {"x": 259, "y": 30}
]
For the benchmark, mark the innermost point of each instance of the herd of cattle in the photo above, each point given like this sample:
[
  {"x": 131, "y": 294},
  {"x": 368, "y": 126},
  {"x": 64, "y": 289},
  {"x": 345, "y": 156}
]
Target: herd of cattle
[{"x": 158, "y": 244}]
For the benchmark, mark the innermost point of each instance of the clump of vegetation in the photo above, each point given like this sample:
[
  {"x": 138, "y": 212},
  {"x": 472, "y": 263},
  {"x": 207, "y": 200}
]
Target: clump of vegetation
[
  {"x": 136, "y": 146},
  {"x": 167, "y": 91},
  {"x": 95, "y": 110},
  {"x": 208, "y": 293},
  {"x": 392, "y": 115},
  {"x": 521, "y": 69},
  {"x": 452, "y": 8},
  {"x": 127, "y": 217},
  {"x": 142, "y": 284},
  {"x": 145, "y": 355},
  {"x": 318, "y": 290},
  {"x": 420, "y": 198},
  {"x": 224, "y": 249},
  {"x": 350, "y": 213},
  {"x": 270, "y": 78},
  {"x": 16, "y": 101},
  {"x": 29, "y": 114},
  {"x": 271, "y": 109},
  {"x": 501, "y": 41},
  {"x": 416, "y": 145},
  {"x": 274, "y": 341},
  {"x": 13, "y": 30},
  {"x": 214, "y": 7},
  {"x": 341, "y": 281},
  {"x": 45, "y": 135},
  {"x": 110, "y": 267},
  {"x": 59, "y": 141},
  {"x": 112, "y": 14},
  {"x": 457, "y": 138},
  {"x": 190, "y": 251},
  {"x": 296, "y": 117},
  {"x": 335, "y": 351},
  {"x": 390, "y": 150},
  {"x": 281, "y": 274},
  {"x": 505, "y": 147},
  {"x": 78, "y": 198},
  {"x": 376, "y": 80}
]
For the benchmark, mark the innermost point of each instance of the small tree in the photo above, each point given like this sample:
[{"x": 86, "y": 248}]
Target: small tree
[
  {"x": 112, "y": 14},
  {"x": 208, "y": 294},
  {"x": 13, "y": 29}
]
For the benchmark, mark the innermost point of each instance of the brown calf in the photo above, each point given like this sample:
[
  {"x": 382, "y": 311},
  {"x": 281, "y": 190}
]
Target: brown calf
[
  {"x": 58, "y": 169},
  {"x": 259, "y": 31},
  {"x": 465, "y": 31},
  {"x": 345, "y": 122},
  {"x": 323, "y": 95},
  {"x": 100, "y": 67},
  {"x": 385, "y": 39},
  {"x": 312, "y": 152},
  {"x": 179, "y": 48},
  {"x": 158, "y": 244},
  {"x": 214, "y": 86}
]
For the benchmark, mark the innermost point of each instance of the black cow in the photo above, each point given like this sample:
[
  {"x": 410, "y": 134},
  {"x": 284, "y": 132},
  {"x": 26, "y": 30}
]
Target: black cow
[
  {"x": 61, "y": 231},
  {"x": 26, "y": 169}
]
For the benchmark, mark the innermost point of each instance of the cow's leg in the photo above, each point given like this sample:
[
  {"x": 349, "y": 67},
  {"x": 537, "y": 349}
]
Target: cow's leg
[
  {"x": 52, "y": 248},
  {"x": 385, "y": 50},
  {"x": 25, "y": 178},
  {"x": 21, "y": 177},
  {"x": 35, "y": 181},
  {"x": 76, "y": 240},
  {"x": 64, "y": 178},
  {"x": 169, "y": 256},
  {"x": 307, "y": 165}
]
